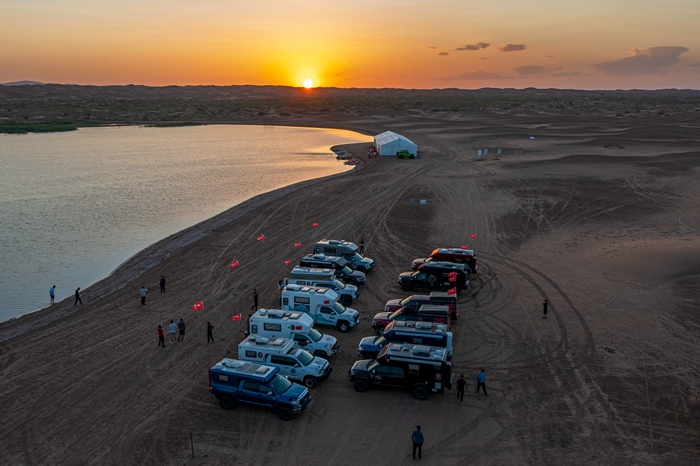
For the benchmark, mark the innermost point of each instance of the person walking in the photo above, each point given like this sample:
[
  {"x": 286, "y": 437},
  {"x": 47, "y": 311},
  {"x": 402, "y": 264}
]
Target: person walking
[
  {"x": 362, "y": 246},
  {"x": 481, "y": 379},
  {"x": 210, "y": 327},
  {"x": 172, "y": 329},
  {"x": 52, "y": 294},
  {"x": 417, "y": 439},
  {"x": 255, "y": 300},
  {"x": 162, "y": 283},
  {"x": 181, "y": 328},
  {"x": 161, "y": 336},
  {"x": 544, "y": 308},
  {"x": 77, "y": 297},
  {"x": 461, "y": 386},
  {"x": 144, "y": 290}
]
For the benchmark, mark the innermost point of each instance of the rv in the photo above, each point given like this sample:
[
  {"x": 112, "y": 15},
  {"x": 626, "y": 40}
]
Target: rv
[
  {"x": 295, "y": 326},
  {"x": 321, "y": 304}
]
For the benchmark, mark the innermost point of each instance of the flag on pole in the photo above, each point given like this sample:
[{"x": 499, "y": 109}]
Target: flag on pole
[
  {"x": 315, "y": 224},
  {"x": 473, "y": 235},
  {"x": 261, "y": 237},
  {"x": 236, "y": 317},
  {"x": 465, "y": 247},
  {"x": 287, "y": 262},
  {"x": 198, "y": 306},
  {"x": 235, "y": 264},
  {"x": 452, "y": 291},
  {"x": 297, "y": 245}
]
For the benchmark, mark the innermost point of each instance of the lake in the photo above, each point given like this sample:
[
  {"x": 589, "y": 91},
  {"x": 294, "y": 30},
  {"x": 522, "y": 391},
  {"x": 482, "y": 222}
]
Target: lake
[{"x": 75, "y": 205}]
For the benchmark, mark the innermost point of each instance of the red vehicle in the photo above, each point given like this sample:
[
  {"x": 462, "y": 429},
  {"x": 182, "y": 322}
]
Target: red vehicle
[
  {"x": 458, "y": 255},
  {"x": 438, "y": 298},
  {"x": 422, "y": 313}
]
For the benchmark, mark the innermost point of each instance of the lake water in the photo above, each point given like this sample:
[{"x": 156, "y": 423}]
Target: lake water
[{"x": 73, "y": 206}]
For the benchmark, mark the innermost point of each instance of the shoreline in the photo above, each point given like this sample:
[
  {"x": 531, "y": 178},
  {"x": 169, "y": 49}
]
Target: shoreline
[{"x": 155, "y": 253}]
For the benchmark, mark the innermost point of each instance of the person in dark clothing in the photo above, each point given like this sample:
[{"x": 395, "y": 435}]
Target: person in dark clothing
[
  {"x": 162, "y": 283},
  {"x": 417, "y": 439},
  {"x": 161, "y": 336},
  {"x": 255, "y": 299},
  {"x": 181, "y": 328},
  {"x": 210, "y": 327},
  {"x": 461, "y": 386},
  {"x": 481, "y": 382},
  {"x": 77, "y": 297},
  {"x": 544, "y": 308},
  {"x": 52, "y": 294},
  {"x": 362, "y": 246}
]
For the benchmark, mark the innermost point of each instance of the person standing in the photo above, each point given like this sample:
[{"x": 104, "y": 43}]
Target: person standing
[
  {"x": 161, "y": 336},
  {"x": 172, "y": 329},
  {"x": 162, "y": 283},
  {"x": 210, "y": 327},
  {"x": 181, "y": 328},
  {"x": 52, "y": 293},
  {"x": 417, "y": 439},
  {"x": 255, "y": 300},
  {"x": 144, "y": 290},
  {"x": 280, "y": 285},
  {"x": 481, "y": 379},
  {"x": 544, "y": 308},
  {"x": 461, "y": 386},
  {"x": 77, "y": 297},
  {"x": 362, "y": 246}
]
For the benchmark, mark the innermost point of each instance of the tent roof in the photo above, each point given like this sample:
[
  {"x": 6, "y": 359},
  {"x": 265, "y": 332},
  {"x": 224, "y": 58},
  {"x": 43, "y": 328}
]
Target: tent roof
[{"x": 389, "y": 136}]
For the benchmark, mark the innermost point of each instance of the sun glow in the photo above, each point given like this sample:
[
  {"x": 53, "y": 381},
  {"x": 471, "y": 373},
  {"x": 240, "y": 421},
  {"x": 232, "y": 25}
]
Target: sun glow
[{"x": 308, "y": 83}]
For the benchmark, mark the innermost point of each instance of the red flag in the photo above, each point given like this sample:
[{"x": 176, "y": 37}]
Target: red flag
[
  {"x": 297, "y": 245},
  {"x": 261, "y": 237},
  {"x": 235, "y": 264},
  {"x": 315, "y": 224},
  {"x": 287, "y": 262},
  {"x": 452, "y": 291},
  {"x": 465, "y": 247},
  {"x": 198, "y": 306},
  {"x": 452, "y": 274},
  {"x": 236, "y": 317},
  {"x": 473, "y": 235},
  {"x": 452, "y": 277}
]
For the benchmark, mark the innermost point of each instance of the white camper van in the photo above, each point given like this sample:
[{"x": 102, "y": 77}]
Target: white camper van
[
  {"x": 321, "y": 304},
  {"x": 294, "y": 363},
  {"x": 346, "y": 250},
  {"x": 323, "y": 278},
  {"x": 295, "y": 326}
]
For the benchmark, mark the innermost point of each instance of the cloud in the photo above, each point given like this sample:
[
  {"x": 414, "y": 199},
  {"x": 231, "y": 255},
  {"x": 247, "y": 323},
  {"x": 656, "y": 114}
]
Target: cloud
[
  {"x": 529, "y": 69},
  {"x": 651, "y": 60},
  {"x": 443, "y": 53},
  {"x": 693, "y": 63},
  {"x": 549, "y": 56},
  {"x": 428, "y": 46},
  {"x": 475, "y": 76},
  {"x": 573, "y": 73},
  {"x": 480, "y": 45},
  {"x": 511, "y": 48}
]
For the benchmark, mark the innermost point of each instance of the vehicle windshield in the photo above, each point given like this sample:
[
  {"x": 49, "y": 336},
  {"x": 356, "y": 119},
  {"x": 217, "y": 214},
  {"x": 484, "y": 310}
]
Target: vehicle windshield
[
  {"x": 404, "y": 301},
  {"x": 346, "y": 270},
  {"x": 314, "y": 334},
  {"x": 395, "y": 315},
  {"x": 280, "y": 384},
  {"x": 339, "y": 284},
  {"x": 305, "y": 357},
  {"x": 381, "y": 341},
  {"x": 338, "y": 308},
  {"x": 372, "y": 365},
  {"x": 357, "y": 257}
]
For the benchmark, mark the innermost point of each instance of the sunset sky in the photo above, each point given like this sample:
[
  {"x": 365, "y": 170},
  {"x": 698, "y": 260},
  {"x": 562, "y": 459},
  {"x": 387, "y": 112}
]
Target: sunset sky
[{"x": 591, "y": 44}]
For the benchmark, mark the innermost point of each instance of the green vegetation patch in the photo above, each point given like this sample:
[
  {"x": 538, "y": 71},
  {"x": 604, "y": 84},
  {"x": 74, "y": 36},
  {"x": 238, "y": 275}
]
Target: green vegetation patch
[{"x": 11, "y": 127}]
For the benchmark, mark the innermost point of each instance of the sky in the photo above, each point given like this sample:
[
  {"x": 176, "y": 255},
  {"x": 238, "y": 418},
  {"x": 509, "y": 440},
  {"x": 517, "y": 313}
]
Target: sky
[{"x": 589, "y": 44}]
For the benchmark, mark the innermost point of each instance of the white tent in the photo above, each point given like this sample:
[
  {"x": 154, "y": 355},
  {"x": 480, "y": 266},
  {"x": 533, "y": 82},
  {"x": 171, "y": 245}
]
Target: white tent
[{"x": 390, "y": 143}]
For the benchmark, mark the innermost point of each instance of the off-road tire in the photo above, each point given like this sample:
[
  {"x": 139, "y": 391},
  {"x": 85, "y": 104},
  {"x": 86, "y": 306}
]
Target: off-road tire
[
  {"x": 346, "y": 300},
  {"x": 310, "y": 382},
  {"x": 343, "y": 326},
  {"x": 285, "y": 413},
  {"x": 420, "y": 393},
  {"x": 361, "y": 386},
  {"x": 406, "y": 286},
  {"x": 226, "y": 402}
]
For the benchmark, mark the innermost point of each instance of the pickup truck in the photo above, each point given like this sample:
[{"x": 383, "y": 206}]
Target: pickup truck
[{"x": 424, "y": 313}]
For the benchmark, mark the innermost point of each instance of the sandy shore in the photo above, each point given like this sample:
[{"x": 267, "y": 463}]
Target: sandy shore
[{"x": 609, "y": 235}]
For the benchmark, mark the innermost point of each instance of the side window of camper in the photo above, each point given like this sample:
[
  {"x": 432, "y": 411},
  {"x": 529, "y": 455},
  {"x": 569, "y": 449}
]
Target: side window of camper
[
  {"x": 223, "y": 378},
  {"x": 272, "y": 327},
  {"x": 301, "y": 300},
  {"x": 251, "y": 354},
  {"x": 254, "y": 328},
  {"x": 330, "y": 251},
  {"x": 285, "y": 301}
]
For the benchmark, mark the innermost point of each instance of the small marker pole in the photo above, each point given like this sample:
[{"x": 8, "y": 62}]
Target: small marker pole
[{"x": 192, "y": 444}]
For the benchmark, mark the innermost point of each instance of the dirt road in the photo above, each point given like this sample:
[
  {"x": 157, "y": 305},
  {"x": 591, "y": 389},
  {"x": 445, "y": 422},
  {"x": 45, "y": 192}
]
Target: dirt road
[{"x": 609, "y": 235}]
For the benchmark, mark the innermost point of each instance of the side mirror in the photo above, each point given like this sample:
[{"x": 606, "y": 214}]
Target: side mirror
[
  {"x": 297, "y": 365},
  {"x": 270, "y": 394}
]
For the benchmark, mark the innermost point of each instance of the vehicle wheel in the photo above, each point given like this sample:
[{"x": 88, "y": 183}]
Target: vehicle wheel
[
  {"x": 285, "y": 414},
  {"x": 420, "y": 393},
  {"x": 343, "y": 326},
  {"x": 346, "y": 300},
  {"x": 380, "y": 330},
  {"x": 406, "y": 286},
  {"x": 226, "y": 402},
  {"x": 361, "y": 386},
  {"x": 310, "y": 382},
  {"x": 413, "y": 156},
  {"x": 320, "y": 354}
]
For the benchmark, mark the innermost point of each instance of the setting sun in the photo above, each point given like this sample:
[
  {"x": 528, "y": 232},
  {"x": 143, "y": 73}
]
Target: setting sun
[{"x": 308, "y": 83}]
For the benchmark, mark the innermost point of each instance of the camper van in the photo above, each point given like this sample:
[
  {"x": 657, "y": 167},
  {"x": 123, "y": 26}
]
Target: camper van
[
  {"x": 340, "y": 265},
  {"x": 346, "y": 250},
  {"x": 324, "y": 278},
  {"x": 295, "y": 326},
  {"x": 321, "y": 304}
]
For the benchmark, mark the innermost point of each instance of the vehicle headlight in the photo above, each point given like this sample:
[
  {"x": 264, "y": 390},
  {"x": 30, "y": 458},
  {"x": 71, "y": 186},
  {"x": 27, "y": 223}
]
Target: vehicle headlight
[
  {"x": 374, "y": 322},
  {"x": 295, "y": 402}
]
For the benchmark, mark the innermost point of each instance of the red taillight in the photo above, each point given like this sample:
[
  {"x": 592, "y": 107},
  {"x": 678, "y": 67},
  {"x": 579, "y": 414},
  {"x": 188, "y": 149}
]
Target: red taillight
[{"x": 438, "y": 376}]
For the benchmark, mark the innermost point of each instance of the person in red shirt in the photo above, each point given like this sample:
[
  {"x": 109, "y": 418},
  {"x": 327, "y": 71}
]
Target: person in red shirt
[{"x": 161, "y": 336}]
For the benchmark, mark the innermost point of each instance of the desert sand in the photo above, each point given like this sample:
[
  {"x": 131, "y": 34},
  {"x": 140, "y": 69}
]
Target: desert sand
[{"x": 599, "y": 215}]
